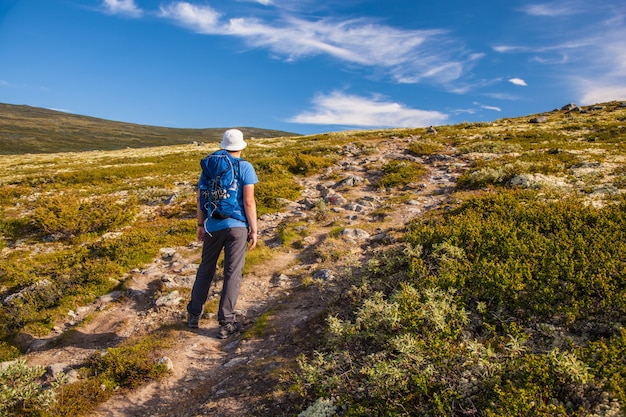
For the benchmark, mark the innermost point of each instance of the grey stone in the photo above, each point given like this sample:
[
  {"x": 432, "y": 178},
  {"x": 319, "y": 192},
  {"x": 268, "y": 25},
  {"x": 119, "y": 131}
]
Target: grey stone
[
  {"x": 167, "y": 362},
  {"x": 168, "y": 300},
  {"x": 324, "y": 274},
  {"x": 354, "y": 235}
]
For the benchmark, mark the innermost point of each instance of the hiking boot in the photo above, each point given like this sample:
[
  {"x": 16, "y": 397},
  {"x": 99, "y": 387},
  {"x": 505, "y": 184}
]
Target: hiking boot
[
  {"x": 228, "y": 330},
  {"x": 192, "y": 321}
]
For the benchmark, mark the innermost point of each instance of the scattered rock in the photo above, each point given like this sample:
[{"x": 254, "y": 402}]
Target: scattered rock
[
  {"x": 379, "y": 237},
  {"x": 235, "y": 361},
  {"x": 110, "y": 297},
  {"x": 170, "y": 199},
  {"x": 324, "y": 275},
  {"x": 167, "y": 362},
  {"x": 354, "y": 235},
  {"x": 355, "y": 207},
  {"x": 168, "y": 254},
  {"x": 72, "y": 376},
  {"x": 169, "y": 300},
  {"x": 350, "y": 181},
  {"x": 540, "y": 119},
  {"x": 55, "y": 370},
  {"x": 31, "y": 289},
  {"x": 335, "y": 199},
  {"x": 281, "y": 280},
  {"x": 439, "y": 158}
]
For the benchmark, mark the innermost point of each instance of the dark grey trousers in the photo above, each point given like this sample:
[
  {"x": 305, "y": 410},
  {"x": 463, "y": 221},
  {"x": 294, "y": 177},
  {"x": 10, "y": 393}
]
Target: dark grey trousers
[{"x": 234, "y": 242}]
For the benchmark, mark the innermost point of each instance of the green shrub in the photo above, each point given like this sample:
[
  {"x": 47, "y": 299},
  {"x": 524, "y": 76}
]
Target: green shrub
[
  {"x": 80, "y": 398},
  {"x": 400, "y": 174},
  {"x": 7, "y": 351},
  {"x": 607, "y": 358},
  {"x": 425, "y": 147},
  {"x": 483, "y": 309},
  {"x": 291, "y": 234},
  {"x": 520, "y": 250},
  {"x": 9, "y": 194},
  {"x": 128, "y": 366},
  {"x": 304, "y": 164},
  {"x": 22, "y": 392},
  {"x": 487, "y": 146},
  {"x": 137, "y": 361},
  {"x": 500, "y": 171},
  {"x": 608, "y": 133},
  {"x": 17, "y": 228},
  {"x": 69, "y": 217}
]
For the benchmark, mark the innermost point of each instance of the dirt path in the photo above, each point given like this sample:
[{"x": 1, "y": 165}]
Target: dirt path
[{"x": 213, "y": 377}]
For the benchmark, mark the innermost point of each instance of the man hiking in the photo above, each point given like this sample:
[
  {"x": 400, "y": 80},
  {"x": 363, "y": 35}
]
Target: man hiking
[{"x": 227, "y": 220}]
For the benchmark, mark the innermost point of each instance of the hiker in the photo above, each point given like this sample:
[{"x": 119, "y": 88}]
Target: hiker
[{"x": 232, "y": 234}]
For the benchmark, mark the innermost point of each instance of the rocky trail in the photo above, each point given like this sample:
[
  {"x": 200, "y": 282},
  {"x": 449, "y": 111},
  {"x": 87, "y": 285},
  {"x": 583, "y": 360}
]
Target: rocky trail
[{"x": 213, "y": 377}]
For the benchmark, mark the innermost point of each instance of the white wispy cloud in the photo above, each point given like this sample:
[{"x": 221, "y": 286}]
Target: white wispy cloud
[
  {"x": 408, "y": 56},
  {"x": 201, "y": 19},
  {"x": 502, "y": 96},
  {"x": 486, "y": 107},
  {"x": 338, "y": 108},
  {"x": 124, "y": 7},
  {"x": 590, "y": 58},
  {"x": 557, "y": 48},
  {"x": 605, "y": 80},
  {"x": 518, "y": 81},
  {"x": 555, "y": 8}
]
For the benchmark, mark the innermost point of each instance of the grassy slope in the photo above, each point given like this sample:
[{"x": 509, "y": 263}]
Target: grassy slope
[
  {"x": 25, "y": 129},
  {"x": 587, "y": 150}
]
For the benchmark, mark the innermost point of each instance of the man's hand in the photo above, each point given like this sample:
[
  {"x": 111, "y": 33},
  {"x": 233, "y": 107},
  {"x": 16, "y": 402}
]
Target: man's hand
[{"x": 252, "y": 238}]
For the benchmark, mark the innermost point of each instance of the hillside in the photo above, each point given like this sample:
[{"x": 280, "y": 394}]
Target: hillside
[
  {"x": 473, "y": 270},
  {"x": 26, "y": 129}
]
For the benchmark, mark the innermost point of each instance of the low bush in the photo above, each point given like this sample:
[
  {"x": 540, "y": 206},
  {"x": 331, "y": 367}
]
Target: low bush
[
  {"x": 306, "y": 164},
  {"x": 69, "y": 217},
  {"x": 23, "y": 391},
  {"x": 488, "y": 146},
  {"x": 128, "y": 366},
  {"x": 529, "y": 257},
  {"x": 425, "y": 147},
  {"x": 135, "y": 362},
  {"x": 499, "y": 172},
  {"x": 400, "y": 174},
  {"x": 504, "y": 305}
]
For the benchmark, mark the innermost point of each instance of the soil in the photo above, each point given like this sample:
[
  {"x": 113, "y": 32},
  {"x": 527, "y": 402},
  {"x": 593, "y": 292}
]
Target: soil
[{"x": 239, "y": 376}]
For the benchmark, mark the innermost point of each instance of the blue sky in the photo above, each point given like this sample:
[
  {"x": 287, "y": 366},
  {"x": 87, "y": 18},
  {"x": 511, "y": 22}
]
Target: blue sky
[{"x": 310, "y": 66}]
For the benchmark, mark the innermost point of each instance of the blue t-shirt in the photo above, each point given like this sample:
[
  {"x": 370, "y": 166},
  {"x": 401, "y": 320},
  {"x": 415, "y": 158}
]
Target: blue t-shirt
[{"x": 247, "y": 176}]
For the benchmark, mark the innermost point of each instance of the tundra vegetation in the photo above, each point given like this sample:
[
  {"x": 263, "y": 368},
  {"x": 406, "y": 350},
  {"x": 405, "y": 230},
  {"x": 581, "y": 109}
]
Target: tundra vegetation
[{"x": 508, "y": 301}]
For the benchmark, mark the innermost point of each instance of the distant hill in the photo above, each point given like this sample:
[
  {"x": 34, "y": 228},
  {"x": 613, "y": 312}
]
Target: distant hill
[{"x": 26, "y": 129}]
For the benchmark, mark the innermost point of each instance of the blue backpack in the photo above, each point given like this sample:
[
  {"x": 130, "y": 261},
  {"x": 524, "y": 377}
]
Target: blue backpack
[{"x": 219, "y": 185}]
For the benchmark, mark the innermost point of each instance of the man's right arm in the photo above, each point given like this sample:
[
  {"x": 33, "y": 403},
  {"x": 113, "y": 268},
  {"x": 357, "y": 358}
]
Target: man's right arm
[
  {"x": 200, "y": 218},
  {"x": 249, "y": 204}
]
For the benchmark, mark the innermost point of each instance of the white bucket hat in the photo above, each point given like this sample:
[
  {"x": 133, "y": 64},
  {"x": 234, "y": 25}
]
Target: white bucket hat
[{"x": 232, "y": 140}]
